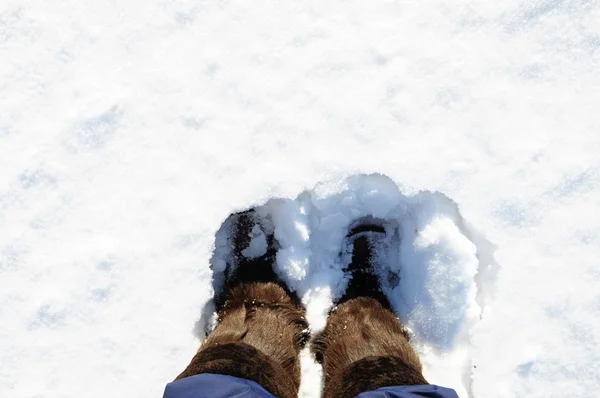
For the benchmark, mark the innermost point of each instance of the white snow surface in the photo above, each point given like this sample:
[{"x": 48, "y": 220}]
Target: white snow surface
[{"x": 130, "y": 130}]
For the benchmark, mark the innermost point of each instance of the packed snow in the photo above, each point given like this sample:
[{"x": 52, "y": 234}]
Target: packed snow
[{"x": 129, "y": 131}]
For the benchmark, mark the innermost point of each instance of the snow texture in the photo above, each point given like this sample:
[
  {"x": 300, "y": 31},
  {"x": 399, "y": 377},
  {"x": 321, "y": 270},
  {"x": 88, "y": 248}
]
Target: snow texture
[
  {"x": 129, "y": 131},
  {"x": 258, "y": 244}
]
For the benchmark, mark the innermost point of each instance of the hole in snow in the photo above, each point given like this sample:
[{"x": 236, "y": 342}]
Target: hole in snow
[{"x": 436, "y": 269}]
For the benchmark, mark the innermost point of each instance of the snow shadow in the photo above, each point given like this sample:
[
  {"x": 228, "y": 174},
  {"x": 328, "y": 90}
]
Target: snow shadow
[{"x": 437, "y": 270}]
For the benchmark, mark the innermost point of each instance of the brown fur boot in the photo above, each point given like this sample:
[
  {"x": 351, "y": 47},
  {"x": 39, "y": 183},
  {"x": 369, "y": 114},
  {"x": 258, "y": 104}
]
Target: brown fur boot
[
  {"x": 258, "y": 337},
  {"x": 261, "y": 326},
  {"x": 363, "y": 348}
]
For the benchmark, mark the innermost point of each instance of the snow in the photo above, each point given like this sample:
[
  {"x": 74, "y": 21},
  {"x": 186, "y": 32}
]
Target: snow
[
  {"x": 258, "y": 244},
  {"x": 129, "y": 131}
]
